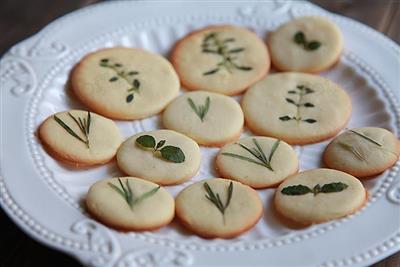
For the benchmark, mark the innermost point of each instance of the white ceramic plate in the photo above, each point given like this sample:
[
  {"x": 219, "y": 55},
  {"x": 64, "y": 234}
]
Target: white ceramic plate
[{"x": 44, "y": 197}]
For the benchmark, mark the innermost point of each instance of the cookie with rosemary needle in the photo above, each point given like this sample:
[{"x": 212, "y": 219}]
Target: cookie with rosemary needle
[
  {"x": 164, "y": 157},
  {"x": 363, "y": 152},
  {"x": 130, "y": 204},
  {"x": 218, "y": 208},
  {"x": 225, "y": 59},
  {"x": 306, "y": 44},
  {"x": 80, "y": 138},
  {"x": 211, "y": 119},
  {"x": 257, "y": 161},
  {"x": 298, "y": 108},
  {"x": 125, "y": 83},
  {"x": 319, "y": 195}
]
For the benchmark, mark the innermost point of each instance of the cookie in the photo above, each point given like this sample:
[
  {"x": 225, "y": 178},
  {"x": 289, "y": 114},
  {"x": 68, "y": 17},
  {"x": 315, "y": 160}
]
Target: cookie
[
  {"x": 125, "y": 83},
  {"x": 319, "y": 195},
  {"x": 257, "y": 161},
  {"x": 218, "y": 208},
  {"x": 164, "y": 157},
  {"x": 296, "y": 107},
  {"x": 224, "y": 59},
  {"x": 80, "y": 138},
  {"x": 210, "y": 119},
  {"x": 130, "y": 204},
  {"x": 306, "y": 44},
  {"x": 363, "y": 152}
]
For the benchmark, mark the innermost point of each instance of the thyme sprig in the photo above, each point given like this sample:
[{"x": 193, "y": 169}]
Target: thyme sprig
[
  {"x": 128, "y": 76},
  {"x": 126, "y": 193},
  {"x": 200, "y": 110},
  {"x": 83, "y": 125},
  {"x": 216, "y": 199},
  {"x": 212, "y": 44},
  {"x": 258, "y": 153},
  {"x": 301, "y": 91}
]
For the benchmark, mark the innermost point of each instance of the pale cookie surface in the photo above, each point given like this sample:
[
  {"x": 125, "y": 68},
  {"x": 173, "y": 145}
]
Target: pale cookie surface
[
  {"x": 125, "y": 83},
  {"x": 129, "y": 203},
  {"x": 80, "y": 138},
  {"x": 307, "y": 44},
  {"x": 165, "y": 166},
  {"x": 257, "y": 161},
  {"x": 209, "y": 118},
  {"x": 319, "y": 195},
  {"x": 224, "y": 59},
  {"x": 241, "y": 206},
  {"x": 297, "y": 108},
  {"x": 363, "y": 152}
]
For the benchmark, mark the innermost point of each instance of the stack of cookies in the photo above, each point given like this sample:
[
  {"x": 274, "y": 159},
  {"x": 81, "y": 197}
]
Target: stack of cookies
[{"x": 290, "y": 107}]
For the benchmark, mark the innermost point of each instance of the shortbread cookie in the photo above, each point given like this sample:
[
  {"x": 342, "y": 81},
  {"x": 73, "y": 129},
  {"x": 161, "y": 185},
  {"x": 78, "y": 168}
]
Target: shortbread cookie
[
  {"x": 225, "y": 59},
  {"x": 80, "y": 138},
  {"x": 163, "y": 156},
  {"x": 130, "y": 204},
  {"x": 363, "y": 152},
  {"x": 319, "y": 195},
  {"x": 210, "y": 119},
  {"x": 125, "y": 83},
  {"x": 306, "y": 44},
  {"x": 257, "y": 161},
  {"x": 218, "y": 208},
  {"x": 297, "y": 108}
]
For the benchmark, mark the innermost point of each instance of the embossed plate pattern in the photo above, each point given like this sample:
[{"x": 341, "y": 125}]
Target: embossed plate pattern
[{"x": 45, "y": 197}]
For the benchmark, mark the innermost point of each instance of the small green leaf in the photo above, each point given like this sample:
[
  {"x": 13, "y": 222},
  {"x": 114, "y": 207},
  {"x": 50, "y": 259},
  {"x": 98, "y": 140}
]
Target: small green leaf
[
  {"x": 117, "y": 65},
  {"x": 291, "y": 101},
  {"x": 146, "y": 141},
  {"x": 136, "y": 83},
  {"x": 285, "y": 118},
  {"x": 113, "y": 79},
  {"x": 244, "y": 68},
  {"x": 133, "y": 73},
  {"x": 308, "y": 105},
  {"x": 299, "y": 38},
  {"x": 308, "y": 90},
  {"x": 236, "y": 50},
  {"x": 160, "y": 144},
  {"x": 333, "y": 187},
  {"x": 310, "y": 120},
  {"x": 292, "y": 92},
  {"x": 104, "y": 60},
  {"x": 313, "y": 45},
  {"x": 211, "y": 71},
  {"x": 173, "y": 154},
  {"x": 296, "y": 190},
  {"x": 129, "y": 98}
]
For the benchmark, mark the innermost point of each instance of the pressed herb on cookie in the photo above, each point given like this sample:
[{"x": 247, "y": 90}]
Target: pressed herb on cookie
[
  {"x": 83, "y": 124},
  {"x": 216, "y": 199},
  {"x": 169, "y": 153},
  {"x": 296, "y": 190},
  {"x": 300, "y": 39},
  {"x": 200, "y": 110}
]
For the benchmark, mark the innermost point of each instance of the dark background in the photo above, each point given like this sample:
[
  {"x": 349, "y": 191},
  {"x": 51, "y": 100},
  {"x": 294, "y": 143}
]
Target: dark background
[{"x": 20, "y": 19}]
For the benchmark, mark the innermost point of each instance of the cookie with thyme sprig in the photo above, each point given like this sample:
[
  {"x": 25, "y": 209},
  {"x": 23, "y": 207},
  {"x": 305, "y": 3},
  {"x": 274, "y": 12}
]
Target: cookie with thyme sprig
[{"x": 225, "y": 59}]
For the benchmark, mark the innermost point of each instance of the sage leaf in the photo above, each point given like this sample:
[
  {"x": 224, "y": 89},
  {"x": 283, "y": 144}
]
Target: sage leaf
[
  {"x": 173, "y": 154},
  {"x": 146, "y": 141}
]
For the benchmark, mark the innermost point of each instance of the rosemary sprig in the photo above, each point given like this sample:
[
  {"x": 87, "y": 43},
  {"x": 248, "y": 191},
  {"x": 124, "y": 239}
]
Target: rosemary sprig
[
  {"x": 200, "y": 110},
  {"x": 366, "y": 138},
  {"x": 214, "y": 45},
  {"x": 216, "y": 199},
  {"x": 83, "y": 125},
  {"x": 301, "y": 90},
  {"x": 123, "y": 74},
  {"x": 258, "y": 153},
  {"x": 126, "y": 193},
  {"x": 353, "y": 150}
]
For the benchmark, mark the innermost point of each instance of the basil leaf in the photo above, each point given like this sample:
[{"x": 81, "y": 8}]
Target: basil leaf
[
  {"x": 173, "y": 154},
  {"x": 333, "y": 187},
  {"x": 295, "y": 190},
  {"x": 146, "y": 141}
]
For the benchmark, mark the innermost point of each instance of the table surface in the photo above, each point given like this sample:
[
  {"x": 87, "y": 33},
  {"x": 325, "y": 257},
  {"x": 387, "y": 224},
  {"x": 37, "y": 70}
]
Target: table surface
[{"x": 20, "y": 19}]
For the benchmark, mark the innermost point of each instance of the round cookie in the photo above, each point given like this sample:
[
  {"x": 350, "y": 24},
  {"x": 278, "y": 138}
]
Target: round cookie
[
  {"x": 296, "y": 107},
  {"x": 164, "y": 157},
  {"x": 125, "y": 83},
  {"x": 239, "y": 208},
  {"x": 225, "y": 59},
  {"x": 319, "y": 195},
  {"x": 306, "y": 44},
  {"x": 363, "y": 152},
  {"x": 210, "y": 119},
  {"x": 124, "y": 203},
  {"x": 257, "y": 161},
  {"x": 80, "y": 138}
]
